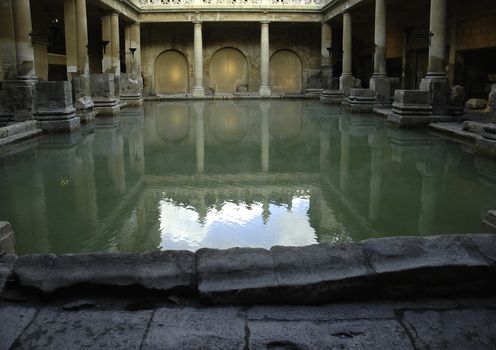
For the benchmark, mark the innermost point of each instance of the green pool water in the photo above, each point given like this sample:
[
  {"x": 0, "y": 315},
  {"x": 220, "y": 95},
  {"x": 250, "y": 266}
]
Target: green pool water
[{"x": 220, "y": 174}]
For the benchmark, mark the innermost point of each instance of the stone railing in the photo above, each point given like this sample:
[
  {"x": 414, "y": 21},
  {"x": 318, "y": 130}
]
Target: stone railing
[{"x": 231, "y": 4}]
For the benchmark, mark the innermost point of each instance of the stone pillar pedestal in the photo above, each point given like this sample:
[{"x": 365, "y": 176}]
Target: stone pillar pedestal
[
  {"x": 16, "y": 100},
  {"x": 361, "y": 100},
  {"x": 83, "y": 103},
  {"x": 103, "y": 93},
  {"x": 131, "y": 86},
  {"x": 53, "y": 107},
  {"x": 439, "y": 93},
  {"x": 332, "y": 97},
  {"x": 383, "y": 90}
]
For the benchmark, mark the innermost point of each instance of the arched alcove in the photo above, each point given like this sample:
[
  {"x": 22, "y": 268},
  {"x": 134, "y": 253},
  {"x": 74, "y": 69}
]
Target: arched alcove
[
  {"x": 286, "y": 72},
  {"x": 171, "y": 73},
  {"x": 228, "y": 71}
]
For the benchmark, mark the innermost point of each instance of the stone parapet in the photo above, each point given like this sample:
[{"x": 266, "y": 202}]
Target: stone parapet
[
  {"x": 103, "y": 94},
  {"x": 361, "y": 100},
  {"x": 7, "y": 238},
  {"x": 53, "y": 107},
  {"x": 315, "y": 274}
]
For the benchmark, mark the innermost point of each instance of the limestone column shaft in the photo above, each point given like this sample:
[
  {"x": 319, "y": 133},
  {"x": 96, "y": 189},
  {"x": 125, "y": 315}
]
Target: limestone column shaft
[
  {"x": 438, "y": 28},
  {"x": 82, "y": 38},
  {"x": 264, "y": 59},
  {"x": 347, "y": 44},
  {"x": 135, "y": 32},
  {"x": 115, "y": 44},
  {"x": 71, "y": 41},
  {"x": 24, "y": 48},
  {"x": 380, "y": 38},
  {"x": 325, "y": 43},
  {"x": 8, "y": 60},
  {"x": 198, "y": 90},
  {"x": 107, "y": 50},
  {"x": 127, "y": 45}
]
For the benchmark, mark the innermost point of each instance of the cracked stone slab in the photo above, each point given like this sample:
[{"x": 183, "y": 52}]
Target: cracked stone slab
[
  {"x": 157, "y": 270},
  {"x": 321, "y": 313},
  {"x": 55, "y": 329},
  {"x": 486, "y": 245},
  {"x": 7, "y": 262},
  {"x": 188, "y": 328},
  {"x": 360, "y": 334},
  {"x": 454, "y": 329},
  {"x": 236, "y": 275},
  {"x": 394, "y": 254},
  {"x": 13, "y": 321},
  {"x": 316, "y": 273}
]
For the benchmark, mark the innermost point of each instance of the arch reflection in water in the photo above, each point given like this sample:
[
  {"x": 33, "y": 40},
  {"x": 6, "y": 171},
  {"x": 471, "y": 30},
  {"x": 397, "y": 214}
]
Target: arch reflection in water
[
  {"x": 228, "y": 122},
  {"x": 172, "y": 122}
]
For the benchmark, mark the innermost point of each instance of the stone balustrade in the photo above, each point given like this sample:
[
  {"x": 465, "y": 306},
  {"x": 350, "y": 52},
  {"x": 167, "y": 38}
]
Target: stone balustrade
[{"x": 243, "y": 4}]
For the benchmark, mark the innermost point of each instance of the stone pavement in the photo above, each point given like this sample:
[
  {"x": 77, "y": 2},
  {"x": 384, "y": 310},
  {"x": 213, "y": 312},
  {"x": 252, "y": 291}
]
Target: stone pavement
[{"x": 434, "y": 292}]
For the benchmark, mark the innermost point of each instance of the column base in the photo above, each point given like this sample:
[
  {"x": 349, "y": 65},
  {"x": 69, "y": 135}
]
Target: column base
[
  {"x": 265, "y": 91},
  {"x": 198, "y": 92},
  {"x": 347, "y": 82},
  {"x": 103, "y": 92},
  {"x": 60, "y": 125},
  {"x": 16, "y": 100},
  {"x": 381, "y": 85},
  {"x": 334, "y": 97},
  {"x": 439, "y": 92}
]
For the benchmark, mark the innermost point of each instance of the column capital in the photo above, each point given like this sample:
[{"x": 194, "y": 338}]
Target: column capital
[
  {"x": 197, "y": 21},
  {"x": 265, "y": 21},
  {"x": 325, "y": 23}
]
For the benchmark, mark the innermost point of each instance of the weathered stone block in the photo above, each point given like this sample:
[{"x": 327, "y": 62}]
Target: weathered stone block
[
  {"x": 237, "y": 275},
  {"x": 83, "y": 102},
  {"x": 439, "y": 93},
  {"x": 54, "y": 329},
  {"x": 103, "y": 94},
  {"x": 476, "y": 103},
  {"x": 131, "y": 86},
  {"x": 53, "y": 100},
  {"x": 7, "y": 238},
  {"x": 7, "y": 262},
  {"x": 347, "y": 82},
  {"x": 457, "y": 100},
  {"x": 327, "y": 77},
  {"x": 158, "y": 270},
  {"x": 16, "y": 100},
  {"x": 331, "y": 96},
  {"x": 361, "y": 100},
  {"x": 382, "y": 86},
  {"x": 411, "y": 108},
  {"x": 188, "y": 328}
]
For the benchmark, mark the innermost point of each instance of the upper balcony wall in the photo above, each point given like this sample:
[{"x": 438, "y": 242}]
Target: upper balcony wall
[{"x": 234, "y": 5}]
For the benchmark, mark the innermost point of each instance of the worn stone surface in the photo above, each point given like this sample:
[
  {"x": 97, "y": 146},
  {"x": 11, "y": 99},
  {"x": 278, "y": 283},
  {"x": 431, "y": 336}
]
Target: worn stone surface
[
  {"x": 235, "y": 275},
  {"x": 412, "y": 103},
  {"x": 331, "y": 96},
  {"x": 486, "y": 244},
  {"x": 131, "y": 86},
  {"x": 457, "y": 100},
  {"x": 53, "y": 100},
  {"x": 7, "y": 262},
  {"x": 476, "y": 103},
  {"x": 361, "y": 100},
  {"x": 7, "y": 238},
  {"x": 158, "y": 270},
  {"x": 359, "y": 334},
  {"x": 103, "y": 94},
  {"x": 13, "y": 321},
  {"x": 454, "y": 329},
  {"x": 383, "y": 88},
  {"x": 188, "y": 328},
  {"x": 55, "y": 329},
  {"x": 439, "y": 94}
]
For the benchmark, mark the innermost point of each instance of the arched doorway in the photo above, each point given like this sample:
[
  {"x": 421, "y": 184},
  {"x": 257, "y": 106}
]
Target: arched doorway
[
  {"x": 171, "y": 73},
  {"x": 229, "y": 71},
  {"x": 286, "y": 72}
]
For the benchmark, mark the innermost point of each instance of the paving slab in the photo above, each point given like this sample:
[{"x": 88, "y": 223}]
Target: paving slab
[{"x": 13, "y": 321}]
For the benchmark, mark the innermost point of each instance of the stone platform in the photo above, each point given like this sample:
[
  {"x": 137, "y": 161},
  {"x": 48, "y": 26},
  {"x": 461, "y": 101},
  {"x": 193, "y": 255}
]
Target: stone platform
[{"x": 392, "y": 293}]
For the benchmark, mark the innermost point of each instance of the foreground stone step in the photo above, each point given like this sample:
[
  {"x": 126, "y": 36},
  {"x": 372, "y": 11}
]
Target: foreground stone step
[{"x": 317, "y": 274}]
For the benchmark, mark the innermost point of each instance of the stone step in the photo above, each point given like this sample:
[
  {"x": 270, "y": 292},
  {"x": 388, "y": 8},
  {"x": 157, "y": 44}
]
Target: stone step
[{"x": 18, "y": 131}]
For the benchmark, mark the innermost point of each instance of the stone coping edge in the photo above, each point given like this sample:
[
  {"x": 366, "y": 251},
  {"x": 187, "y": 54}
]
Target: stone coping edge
[{"x": 383, "y": 267}]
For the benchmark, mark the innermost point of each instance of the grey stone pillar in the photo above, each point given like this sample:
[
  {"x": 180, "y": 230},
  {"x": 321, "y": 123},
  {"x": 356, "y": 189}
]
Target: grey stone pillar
[
  {"x": 71, "y": 43},
  {"x": 436, "y": 81},
  {"x": 131, "y": 82},
  {"x": 135, "y": 32},
  {"x": 198, "y": 90},
  {"x": 346, "y": 81},
  {"x": 115, "y": 44},
  {"x": 106, "y": 50},
  {"x": 82, "y": 38},
  {"x": 379, "y": 82},
  {"x": 325, "y": 64},
  {"x": 264, "y": 59},
  {"x": 7, "y": 42},
  {"x": 24, "y": 48}
]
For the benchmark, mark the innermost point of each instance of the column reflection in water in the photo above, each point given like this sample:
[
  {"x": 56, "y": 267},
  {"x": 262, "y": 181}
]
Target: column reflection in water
[
  {"x": 344, "y": 165},
  {"x": 265, "y": 134},
  {"x": 199, "y": 108},
  {"x": 377, "y": 144}
]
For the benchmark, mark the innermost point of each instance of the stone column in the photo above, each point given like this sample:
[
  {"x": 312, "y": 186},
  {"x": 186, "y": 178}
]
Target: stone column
[
  {"x": 115, "y": 44},
  {"x": 264, "y": 59},
  {"x": 24, "y": 48},
  {"x": 379, "y": 81},
  {"x": 325, "y": 65},
  {"x": 436, "y": 81},
  {"x": 198, "y": 90},
  {"x": 346, "y": 81},
  {"x": 82, "y": 37},
  {"x": 71, "y": 44},
  {"x": 107, "y": 50},
  {"x": 8, "y": 68},
  {"x": 131, "y": 82},
  {"x": 135, "y": 32}
]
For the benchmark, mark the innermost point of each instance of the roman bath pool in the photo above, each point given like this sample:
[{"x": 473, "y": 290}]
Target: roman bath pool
[{"x": 220, "y": 174}]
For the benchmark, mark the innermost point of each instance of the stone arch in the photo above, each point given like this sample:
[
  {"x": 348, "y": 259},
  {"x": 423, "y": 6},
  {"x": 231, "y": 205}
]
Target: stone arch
[
  {"x": 286, "y": 72},
  {"x": 171, "y": 73},
  {"x": 229, "y": 71}
]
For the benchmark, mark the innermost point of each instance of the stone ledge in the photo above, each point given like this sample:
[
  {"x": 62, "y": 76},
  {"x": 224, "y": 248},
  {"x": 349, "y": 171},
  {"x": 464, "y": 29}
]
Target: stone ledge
[{"x": 385, "y": 267}]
